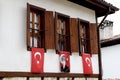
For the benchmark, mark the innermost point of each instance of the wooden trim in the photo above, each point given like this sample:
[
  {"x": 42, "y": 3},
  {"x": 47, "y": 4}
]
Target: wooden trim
[
  {"x": 99, "y": 56},
  {"x": 99, "y": 52},
  {"x": 110, "y": 42},
  {"x": 67, "y": 35},
  {"x": 28, "y": 25},
  {"x": 41, "y": 27},
  {"x": 97, "y": 4},
  {"x": 36, "y": 8},
  {"x": 28, "y": 74},
  {"x": 62, "y": 15},
  {"x": 88, "y": 23}
]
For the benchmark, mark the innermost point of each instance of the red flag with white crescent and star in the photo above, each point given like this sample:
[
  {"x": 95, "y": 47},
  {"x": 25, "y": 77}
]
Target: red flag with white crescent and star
[
  {"x": 87, "y": 64},
  {"x": 37, "y": 61},
  {"x": 64, "y": 58}
]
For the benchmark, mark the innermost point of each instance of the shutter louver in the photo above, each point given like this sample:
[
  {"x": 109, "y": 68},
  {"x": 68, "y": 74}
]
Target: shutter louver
[
  {"x": 93, "y": 38},
  {"x": 49, "y": 30},
  {"x": 74, "y": 34}
]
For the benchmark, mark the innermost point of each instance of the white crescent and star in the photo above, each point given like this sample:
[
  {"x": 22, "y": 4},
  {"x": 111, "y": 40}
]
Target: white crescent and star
[
  {"x": 35, "y": 55},
  {"x": 62, "y": 56},
  {"x": 88, "y": 61}
]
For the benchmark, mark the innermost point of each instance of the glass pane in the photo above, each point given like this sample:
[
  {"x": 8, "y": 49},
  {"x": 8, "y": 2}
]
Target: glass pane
[
  {"x": 36, "y": 26},
  {"x": 30, "y": 25},
  {"x": 62, "y": 27},
  {"x": 35, "y": 31},
  {"x": 35, "y": 42},
  {"x": 58, "y": 26},
  {"x": 36, "y": 18},
  {"x": 61, "y": 45},
  {"x": 31, "y": 41},
  {"x": 30, "y": 16}
]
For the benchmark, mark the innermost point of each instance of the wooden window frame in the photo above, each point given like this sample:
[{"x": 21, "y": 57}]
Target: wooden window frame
[
  {"x": 80, "y": 21},
  {"x": 41, "y": 23},
  {"x": 67, "y": 33}
]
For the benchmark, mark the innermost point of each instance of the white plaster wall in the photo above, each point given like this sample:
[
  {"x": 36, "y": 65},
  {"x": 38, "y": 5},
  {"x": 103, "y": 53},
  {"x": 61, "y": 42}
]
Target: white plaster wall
[
  {"x": 15, "y": 78},
  {"x": 13, "y": 53},
  {"x": 111, "y": 62},
  {"x": 66, "y": 7},
  {"x": 106, "y": 33}
]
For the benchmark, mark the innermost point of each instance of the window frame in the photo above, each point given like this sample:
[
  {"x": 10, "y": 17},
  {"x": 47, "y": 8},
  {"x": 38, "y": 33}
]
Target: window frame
[
  {"x": 88, "y": 45},
  {"x": 41, "y": 12},
  {"x": 67, "y": 35}
]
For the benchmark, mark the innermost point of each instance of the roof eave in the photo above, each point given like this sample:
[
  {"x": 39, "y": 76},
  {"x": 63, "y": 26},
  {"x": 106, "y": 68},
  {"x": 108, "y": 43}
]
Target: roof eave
[{"x": 101, "y": 7}]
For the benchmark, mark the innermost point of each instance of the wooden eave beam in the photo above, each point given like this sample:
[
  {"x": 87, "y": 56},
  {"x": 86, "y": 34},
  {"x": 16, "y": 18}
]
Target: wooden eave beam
[
  {"x": 96, "y": 4},
  {"x": 104, "y": 17}
]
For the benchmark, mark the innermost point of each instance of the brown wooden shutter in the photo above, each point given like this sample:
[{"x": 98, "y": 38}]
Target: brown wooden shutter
[
  {"x": 74, "y": 34},
  {"x": 93, "y": 38},
  {"x": 49, "y": 30}
]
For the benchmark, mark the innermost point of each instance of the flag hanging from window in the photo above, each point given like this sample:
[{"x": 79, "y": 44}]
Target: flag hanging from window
[
  {"x": 87, "y": 64},
  {"x": 37, "y": 61},
  {"x": 64, "y": 58}
]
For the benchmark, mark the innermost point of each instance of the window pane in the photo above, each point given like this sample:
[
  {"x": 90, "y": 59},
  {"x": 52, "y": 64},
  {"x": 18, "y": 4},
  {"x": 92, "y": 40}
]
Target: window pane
[
  {"x": 31, "y": 41},
  {"x": 58, "y": 27},
  {"x": 30, "y": 25},
  {"x": 30, "y": 16},
  {"x": 36, "y": 18},
  {"x": 35, "y": 42},
  {"x": 36, "y": 26}
]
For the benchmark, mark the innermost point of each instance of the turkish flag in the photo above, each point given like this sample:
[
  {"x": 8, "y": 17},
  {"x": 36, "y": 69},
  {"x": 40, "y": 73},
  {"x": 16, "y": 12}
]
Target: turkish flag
[
  {"x": 87, "y": 64},
  {"x": 37, "y": 61},
  {"x": 64, "y": 58}
]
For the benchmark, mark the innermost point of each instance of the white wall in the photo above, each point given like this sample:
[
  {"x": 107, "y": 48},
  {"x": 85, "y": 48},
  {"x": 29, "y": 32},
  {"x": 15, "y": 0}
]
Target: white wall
[
  {"x": 106, "y": 33},
  {"x": 13, "y": 53},
  {"x": 111, "y": 61}
]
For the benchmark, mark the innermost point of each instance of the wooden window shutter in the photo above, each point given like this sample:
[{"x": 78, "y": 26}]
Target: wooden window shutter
[
  {"x": 74, "y": 34},
  {"x": 49, "y": 30},
  {"x": 93, "y": 38}
]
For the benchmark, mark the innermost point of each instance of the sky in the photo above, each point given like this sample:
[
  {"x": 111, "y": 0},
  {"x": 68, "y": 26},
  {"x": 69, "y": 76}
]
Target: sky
[{"x": 114, "y": 17}]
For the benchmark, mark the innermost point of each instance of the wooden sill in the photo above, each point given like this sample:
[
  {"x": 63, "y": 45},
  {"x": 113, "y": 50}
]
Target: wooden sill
[{"x": 28, "y": 74}]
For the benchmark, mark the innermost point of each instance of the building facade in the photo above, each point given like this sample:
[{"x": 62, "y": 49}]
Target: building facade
[{"x": 53, "y": 25}]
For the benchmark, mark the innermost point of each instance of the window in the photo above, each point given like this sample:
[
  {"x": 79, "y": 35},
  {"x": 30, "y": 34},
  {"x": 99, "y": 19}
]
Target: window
[
  {"x": 35, "y": 27},
  {"x": 62, "y": 32},
  {"x": 84, "y": 37}
]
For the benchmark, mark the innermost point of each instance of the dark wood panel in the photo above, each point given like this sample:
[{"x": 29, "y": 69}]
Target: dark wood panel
[
  {"x": 49, "y": 30},
  {"x": 74, "y": 34},
  {"x": 93, "y": 38}
]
